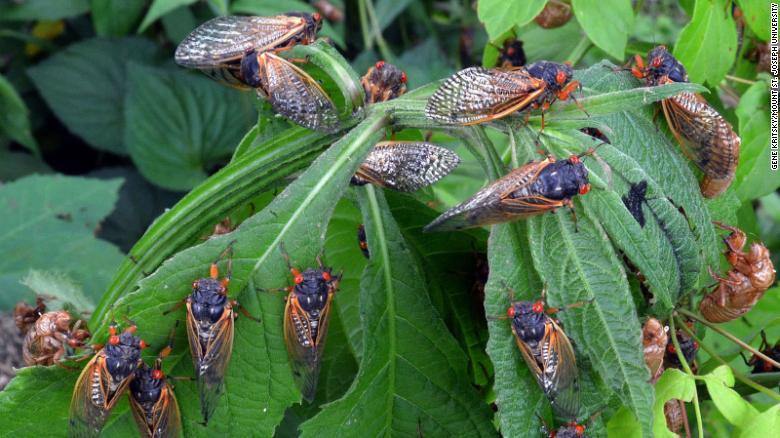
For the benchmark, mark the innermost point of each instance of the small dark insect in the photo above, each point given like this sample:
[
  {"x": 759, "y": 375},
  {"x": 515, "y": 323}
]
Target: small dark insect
[
  {"x": 596, "y": 133},
  {"x": 383, "y": 82},
  {"x": 477, "y": 95},
  {"x": 556, "y": 13},
  {"x": 51, "y": 337},
  {"x": 688, "y": 346},
  {"x": 306, "y": 316},
  {"x": 405, "y": 166},
  {"x": 103, "y": 381},
  {"x": 760, "y": 365},
  {"x": 676, "y": 417},
  {"x": 362, "y": 242},
  {"x": 635, "y": 199},
  {"x": 217, "y": 46},
  {"x": 532, "y": 189},
  {"x": 329, "y": 11},
  {"x": 704, "y": 135},
  {"x": 752, "y": 273},
  {"x": 152, "y": 401},
  {"x": 654, "y": 340},
  {"x": 511, "y": 54},
  {"x": 569, "y": 430},
  {"x": 548, "y": 353}
]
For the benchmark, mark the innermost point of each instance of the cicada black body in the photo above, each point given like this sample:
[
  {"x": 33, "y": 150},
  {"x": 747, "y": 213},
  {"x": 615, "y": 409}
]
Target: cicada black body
[
  {"x": 477, "y": 95},
  {"x": 532, "y": 189},
  {"x": 383, "y": 82},
  {"x": 635, "y": 199},
  {"x": 773, "y": 352},
  {"x": 548, "y": 353},
  {"x": 103, "y": 381},
  {"x": 217, "y": 46},
  {"x": 405, "y": 166},
  {"x": 153, "y": 402},
  {"x": 362, "y": 241},
  {"x": 688, "y": 347},
  {"x": 306, "y": 316},
  {"x": 569, "y": 430},
  {"x": 511, "y": 54},
  {"x": 704, "y": 135}
]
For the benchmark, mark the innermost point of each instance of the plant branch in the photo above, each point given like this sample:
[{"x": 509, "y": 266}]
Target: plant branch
[
  {"x": 687, "y": 368},
  {"x": 384, "y": 49}
]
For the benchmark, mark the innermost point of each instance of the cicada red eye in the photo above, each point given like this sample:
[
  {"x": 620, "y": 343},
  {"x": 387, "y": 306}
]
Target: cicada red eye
[
  {"x": 580, "y": 429},
  {"x": 538, "y": 307},
  {"x": 379, "y": 65},
  {"x": 560, "y": 77},
  {"x": 510, "y": 312},
  {"x": 326, "y": 276},
  {"x": 403, "y": 77},
  {"x": 316, "y": 16},
  {"x": 670, "y": 348},
  {"x": 157, "y": 374},
  {"x": 584, "y": 189},
  {"x": 143, "y": 344},
  {"x": 574, "y": 159},
  {"x": 113, "y": 340},
  {"x": 298, "y": 279}
]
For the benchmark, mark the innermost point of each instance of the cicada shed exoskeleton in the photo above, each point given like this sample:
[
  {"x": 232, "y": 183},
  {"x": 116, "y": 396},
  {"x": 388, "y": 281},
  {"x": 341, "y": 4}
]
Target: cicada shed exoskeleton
[
  {"x": 529, "y": 190},
  {"x": 548, "y": 353},
  {"x": 705, "y": 136},
  {"x": 654, "y": 341},
  {"x": 49, "y": 336},
  {"x": 383, "y": 82},
  {"x": 153, "y": 402},
  {"x": 103, "y": 381},
  {"x": 477, "y": 95},
  {"x": 306, "y": 316}
]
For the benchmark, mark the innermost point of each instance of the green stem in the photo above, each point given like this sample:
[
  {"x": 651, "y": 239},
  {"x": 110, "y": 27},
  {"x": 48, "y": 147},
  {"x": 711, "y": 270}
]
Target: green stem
[
  {"x": 687, "y": 368},
  {"x": 368, "y": 42},
  {"x": 740, "y": 80},
  {"x": 730, "y": 337},
  {"x": 739, "y": 376},
  {"x": 579, "y": 50},
  {"x": 384, "y": 49}
]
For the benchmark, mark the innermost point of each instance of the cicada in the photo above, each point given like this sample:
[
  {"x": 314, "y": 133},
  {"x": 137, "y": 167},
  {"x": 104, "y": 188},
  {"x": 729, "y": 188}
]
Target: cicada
[
  {"x": 704, "y": 135},
  {"x": 688, "y": 348},
  {"x": 511, "y": 54},
  {"x": 362, "y": 241},
  {"x": 51, "y": 336},
  {"x": 635, "y": 199},
  {"x": 153, "y": 402},
  {"x": 760, "y": 365},
  {"x": 676, "y": 417},
  {"x": 654, "y": 340},
  {"x": 532, "y": 189},
  {"x": 383, "y": 82},
  {"x": 476, "y": 95},
  {"x": 569, "y": 430},
  {"x": 306, "y": 316},
  {"x": 217, "y": 46},
  {"x": 103, "y": 381},
  {"x": 548, "y": 353},
  {"x": 405, "y": 166}
]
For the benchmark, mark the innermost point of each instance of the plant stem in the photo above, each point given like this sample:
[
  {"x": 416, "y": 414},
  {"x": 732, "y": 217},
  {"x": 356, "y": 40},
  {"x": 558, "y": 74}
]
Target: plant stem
[
  {"x": 576, "y": 54},
  {"x": 740, "y": 80},
  {"x": 739, "y": 376},
  {"x": 687, "y": 368},
  {"x": 384, "y": 49},
  {"x": 730, "y": 337},
  {"x": 368, "y": 42}
]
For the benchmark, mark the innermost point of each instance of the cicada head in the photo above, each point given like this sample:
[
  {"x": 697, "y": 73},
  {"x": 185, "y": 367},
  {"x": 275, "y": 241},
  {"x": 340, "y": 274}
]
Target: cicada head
[
  {"x": 383, "y": 82},
  {"x": 311, "y": 289},
  {"x": 123, "y": 354},
  {"x": 563, "y": 179},
  {"x": 570, "y": 430},
  {"x": 147, "y": 385},
  {"x": 688, "y": 346},
  {"x": 662, "y": 65},
  {"x": 312, "y": 25},
  {"x": 208, "y": 299},
  {"x": 555, "y": 75},
  {"x": 528, "y": 321},
  {"x": 250, "y": 70}
]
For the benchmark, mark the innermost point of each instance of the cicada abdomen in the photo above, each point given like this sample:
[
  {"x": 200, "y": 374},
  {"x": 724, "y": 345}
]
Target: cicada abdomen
[
  {"x": 306, "y": 317},
  {"x": 532, "y": 189},
  {"x": 103, "y": 381},
  {"x": 477, "y": 95},
  {"x": 217, "y": 46},
  {"x": 548, "y": 353},
  {"x": 153, "y": 402},
  {"x": 654, "y": 340},
  {"x": 405, "y": 166},
  {"x": 704, "y": 135},
  {"x": 383, "y": 82}
]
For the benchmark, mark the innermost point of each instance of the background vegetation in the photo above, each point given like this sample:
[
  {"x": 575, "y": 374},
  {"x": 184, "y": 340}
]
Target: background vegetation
[{"x": 116, "y": 165}]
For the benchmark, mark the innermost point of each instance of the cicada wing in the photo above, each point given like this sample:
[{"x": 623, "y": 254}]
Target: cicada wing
[
  {"x": 476, "y": 95},
  {"x": 304, "y": 349},
  {"x": 560, "y": 371},
  {"x": 93, "y": 397},
  {"x": 704, "y": 135},
  {"x": 407, "y": 166},
  {"x": 224, "y": 40},
  {"x": 296, "y": 95},
  {"x": 211, "y": 347}
]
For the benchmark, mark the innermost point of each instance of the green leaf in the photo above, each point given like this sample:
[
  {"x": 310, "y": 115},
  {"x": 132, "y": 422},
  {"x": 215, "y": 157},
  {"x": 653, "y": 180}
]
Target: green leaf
[
  {"x": 755, "y": 178},
  {"x": 49, "y": 387},
  {"x": 756, "y": 15},
  {"x": 116, "y": 17},
  {"x": 61, "y": 287},
  {"x": 181, "y": 125},
  {"x": 388, "y": 10},
  {"x": 764, "y": 424},
  {"x": 404, "y": 349},
  {"x": 15, "y": 117},
  {"x": 48, "y": 219},
  {"x": 707, "y": 46},
  {"x": 160, "y": 8},
  {"x": 85, "y": 86},
  {"x": 178, "y": 23},
  {"x": 737, "y": 410},
  {"x": 15, "y": 165},
  {"x": 42, "y": 10},
  {"x": 259, "y": 384},
  {"x": 499, "y": 16},
  {"x": 673, "y": 384},
  {"x": 607, "y": 23}
]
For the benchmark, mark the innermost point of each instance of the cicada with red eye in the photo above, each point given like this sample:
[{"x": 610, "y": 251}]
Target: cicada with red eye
[
  {"x": 569, "y": 430},
  {"x": 532, "y": 189},
  {"x": 760, "y": 365},
  {"x": 383, "y": 82},
  {"x": 405, "y": 166},
  {"x": 477, "y": 95},
  {"x": 688, "y": 348},
  {"x": 704, "y": 135},
  {"x": 548, "y": 353},
  {"x": 103, "y": 381},
  {"x": 306, "y": 316},
  {"x": 511, "y": 54},
  {"x": 217, "y": 46},
  {"x": 362, "y": 241},
  {"x": 153, "y": 402}
]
